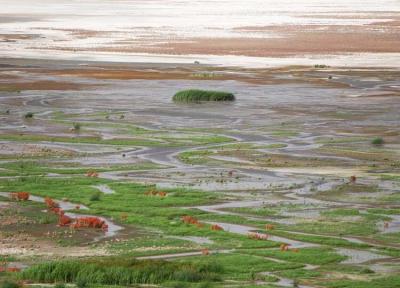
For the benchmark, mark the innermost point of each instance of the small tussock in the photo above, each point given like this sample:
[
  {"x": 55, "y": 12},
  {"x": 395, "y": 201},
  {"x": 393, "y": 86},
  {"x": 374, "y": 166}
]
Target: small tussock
[
  {"x": 378, "y": 141},
  {"x": 28, "y": 115},
  {"x": 96, "y": 196},
  {"x": 194, "y": 95}
]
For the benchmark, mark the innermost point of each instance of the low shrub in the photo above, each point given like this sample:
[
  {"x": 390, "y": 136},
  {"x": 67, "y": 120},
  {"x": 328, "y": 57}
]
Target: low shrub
[
  {"x": 321, "y": 66},
  {"x": 378, "y": 141},
  {"x": 95, "y": 196},
  {"x": 77, "y": 126},
  {"x": 28, "y": 115}
]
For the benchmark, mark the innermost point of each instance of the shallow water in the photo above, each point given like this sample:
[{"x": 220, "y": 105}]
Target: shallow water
[
  {"x": 358, "y": 256},
  {"x": 104, "y": 189}
]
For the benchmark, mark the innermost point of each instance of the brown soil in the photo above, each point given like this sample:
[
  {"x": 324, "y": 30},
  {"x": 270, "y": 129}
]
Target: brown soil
[{"x": 198, "y": 74}]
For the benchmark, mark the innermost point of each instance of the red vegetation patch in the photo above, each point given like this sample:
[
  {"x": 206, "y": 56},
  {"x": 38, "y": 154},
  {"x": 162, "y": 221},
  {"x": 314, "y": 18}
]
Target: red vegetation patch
[
  {"x": 64, "y": 220},
  {"x": 92, "y": 174},
  {"x": 189, "y": 220},
  {"x": 80, "y": 222},
  {"x": 269, "y": 227},
  {"x": 9, "y": 269},
  {"x": 50, "y": 203},
  {"x": 20, "y": 196},
  {"x": 217, "y": 228},
  {"x": 153, "y": 192},
  {"x": 258, "y": 236},
  {"x": 90, "y": 222}
]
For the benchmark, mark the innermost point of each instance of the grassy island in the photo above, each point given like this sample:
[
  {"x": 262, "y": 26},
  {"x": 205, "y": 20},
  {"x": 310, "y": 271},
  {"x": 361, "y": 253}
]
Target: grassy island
[{"x": 195, "y": 95}]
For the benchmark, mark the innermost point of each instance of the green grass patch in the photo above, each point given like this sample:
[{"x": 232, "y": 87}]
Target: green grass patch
[
  {"x": 378, "y": 141},
  {"x": 243, "y": 266},
  {"x": 33, "y": 167},
  {"x": 314, "y": 256},
  {"x": 323, "y": 240},
  {"x": 382, "y": 282},
  {"x": 121, "y": 271}
]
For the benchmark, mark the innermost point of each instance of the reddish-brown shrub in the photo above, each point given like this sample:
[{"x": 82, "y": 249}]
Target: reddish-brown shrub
[
  {"x": 90, "y": 222},
  {"x": 64, "y": 220},
  {"x": 284, "y": 247},
  {"x": 269, "y": 227},
  {"x": 13, "y": 269},
  {"x": 216, "y": 228},
  {"x": 189, "y": 220},
  {"x": 92, "y": 173},
  {"x": 258, "y": 236},
  {"x": 20, "y": 196},
  {"x": 50, "y": 203}
]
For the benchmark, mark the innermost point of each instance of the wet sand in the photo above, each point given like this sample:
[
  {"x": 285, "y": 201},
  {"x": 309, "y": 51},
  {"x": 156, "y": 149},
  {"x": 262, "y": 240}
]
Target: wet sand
[{"x": 265, "y": 33}]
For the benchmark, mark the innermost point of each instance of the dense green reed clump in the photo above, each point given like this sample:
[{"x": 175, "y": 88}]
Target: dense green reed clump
[
  {"x": 194, "y": 95},
  {"x": 378, "y": 141},
  {"x": 9, "y": 284},
  {"x": 114, "y": 271}
]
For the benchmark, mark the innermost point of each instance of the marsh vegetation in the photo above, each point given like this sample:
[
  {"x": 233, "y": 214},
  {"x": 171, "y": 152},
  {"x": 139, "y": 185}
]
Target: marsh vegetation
[{"x": 195, "y": 95}]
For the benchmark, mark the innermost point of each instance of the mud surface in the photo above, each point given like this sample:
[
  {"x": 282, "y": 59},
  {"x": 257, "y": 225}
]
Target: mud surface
[{"x": 282, "y": 154}]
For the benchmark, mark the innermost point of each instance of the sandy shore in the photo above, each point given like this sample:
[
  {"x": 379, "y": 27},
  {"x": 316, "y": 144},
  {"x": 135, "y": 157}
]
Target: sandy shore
[{"x": 265, "y": 34}]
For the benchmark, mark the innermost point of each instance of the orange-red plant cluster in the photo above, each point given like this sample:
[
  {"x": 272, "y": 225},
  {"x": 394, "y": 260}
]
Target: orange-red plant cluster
[
  {"x": 216, "y": 228},
  {"x": 50, "y": 203},
  {"x": 92, "y": 173},
  {"x": 258, "y": 236},
  {"x": 269, "y": 227},
  {"x": 90, "y": 222},
  {"x": 64, "y": 220},
  {"x": 193, "y": 221},
  {"x": 79, "y": 222},
  {"x": 285, "y": 247},
  {"x": 20, "y": 196},
  {"x": 9, "y": 269},
  {"x": 156, "y": 193}
]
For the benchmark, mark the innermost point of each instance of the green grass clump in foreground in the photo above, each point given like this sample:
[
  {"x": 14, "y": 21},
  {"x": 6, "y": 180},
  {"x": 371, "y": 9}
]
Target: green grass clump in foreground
[
  {"x": 194, "y": 95},
  {"x": 117, "y": 271},
  {"x": 9, "y": 284}
]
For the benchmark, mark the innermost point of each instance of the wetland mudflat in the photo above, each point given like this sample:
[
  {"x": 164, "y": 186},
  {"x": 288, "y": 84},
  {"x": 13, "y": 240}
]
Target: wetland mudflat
[
  {"x": 295, "y": 183},
  {"x": 272, "y": 168}
]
